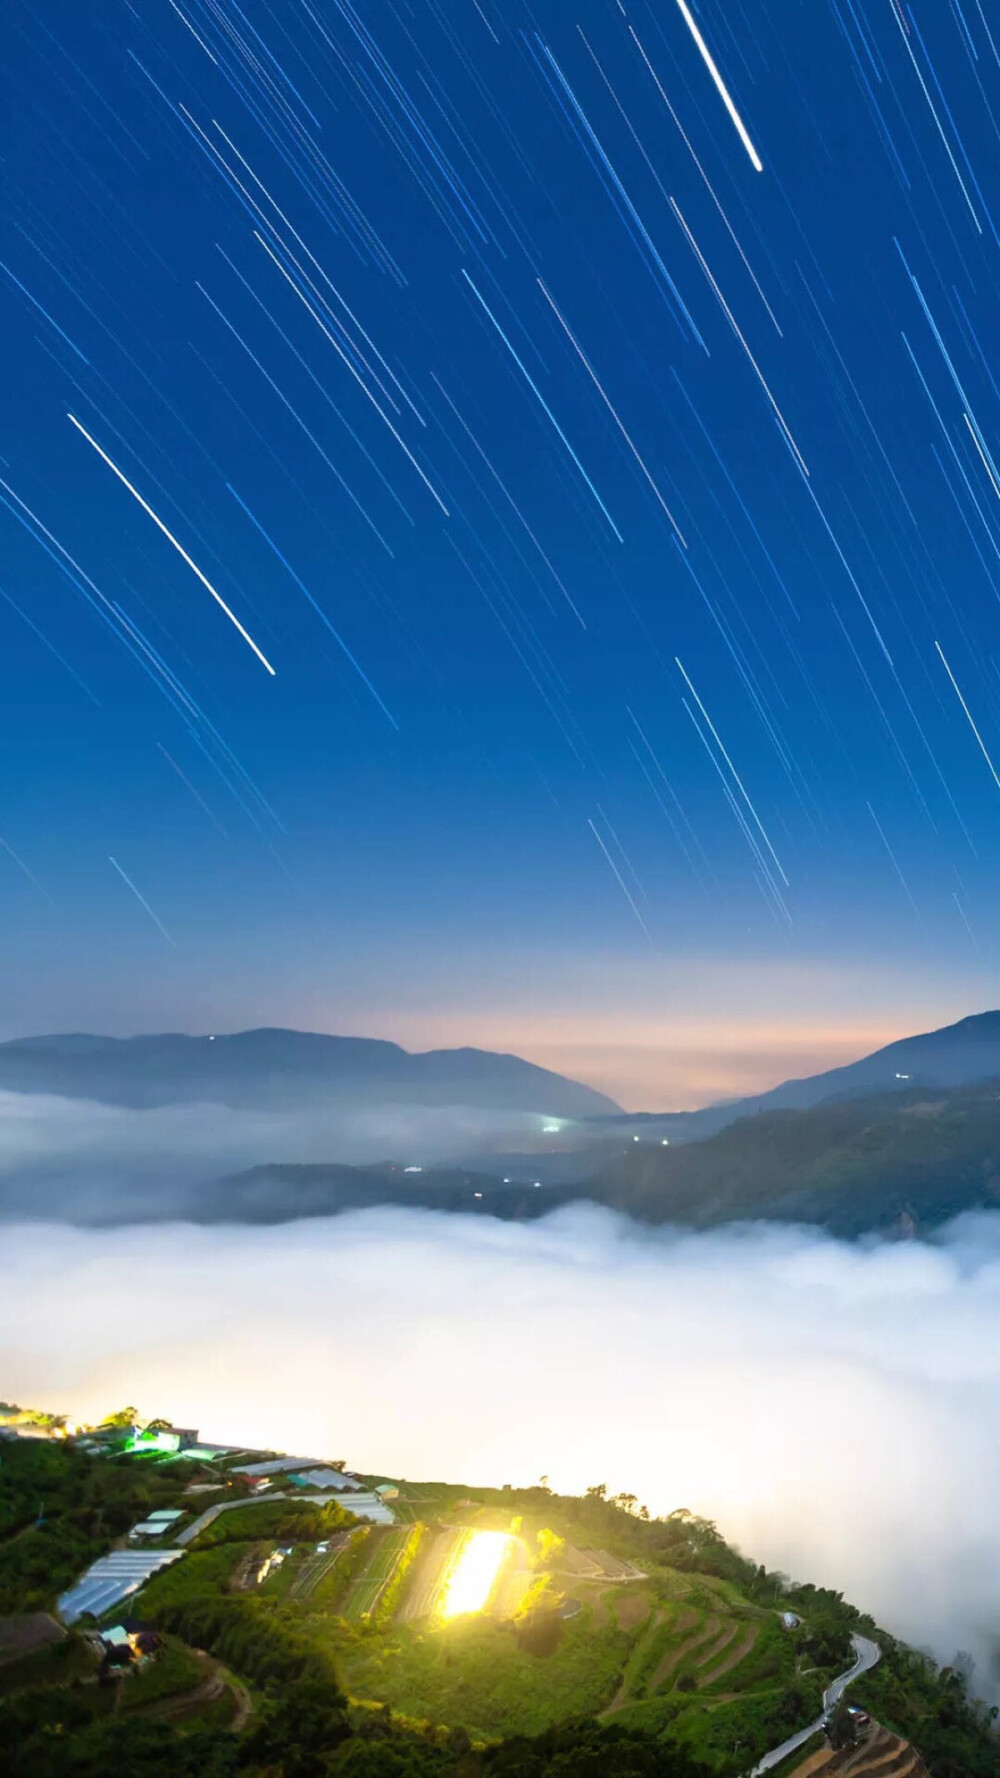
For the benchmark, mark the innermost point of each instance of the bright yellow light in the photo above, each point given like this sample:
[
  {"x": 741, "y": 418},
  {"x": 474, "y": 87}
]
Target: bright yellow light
[{"x": 470, "y": 1582}]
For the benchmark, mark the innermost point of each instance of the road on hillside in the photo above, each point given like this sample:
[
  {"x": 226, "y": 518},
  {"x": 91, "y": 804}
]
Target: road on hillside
[
  {"x": 211, "y": 1513},
  {"x": 866, "y": 1656}
]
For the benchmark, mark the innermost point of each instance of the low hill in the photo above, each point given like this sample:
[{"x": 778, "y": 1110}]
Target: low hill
[
  {"x": 282, "y": 1193},
  {"x": 279, "y": 1070},
  {"x": 906, "y": 1160}
]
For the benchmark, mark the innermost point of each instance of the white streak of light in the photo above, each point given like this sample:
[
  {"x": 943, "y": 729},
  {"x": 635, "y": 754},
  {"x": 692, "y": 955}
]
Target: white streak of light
[
  {"x": 965, "y": 707},
  {"x": 141, "y": 899},
  {"x": 706, "y": 56},
  {"x": 735, "y": 773},
  {"x": 219, "y": 600},
  {"x": 533, "y": 386},
  {"x": 585, "y": 361},
  {"x": 732, "y": 322},
  {"x": 621, "y": 880}
]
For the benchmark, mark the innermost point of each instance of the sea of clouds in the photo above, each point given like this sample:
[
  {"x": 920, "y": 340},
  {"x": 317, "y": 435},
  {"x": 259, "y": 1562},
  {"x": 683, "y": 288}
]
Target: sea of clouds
[{"x": 835, "y": 1407}]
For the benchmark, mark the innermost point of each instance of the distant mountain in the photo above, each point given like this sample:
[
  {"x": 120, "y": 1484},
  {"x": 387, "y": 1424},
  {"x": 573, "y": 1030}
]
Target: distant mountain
[
  {"x": 906, "y": 1161},
  {"x": 956, "y": 1055},
  {"x": 277, "y": 1070}
]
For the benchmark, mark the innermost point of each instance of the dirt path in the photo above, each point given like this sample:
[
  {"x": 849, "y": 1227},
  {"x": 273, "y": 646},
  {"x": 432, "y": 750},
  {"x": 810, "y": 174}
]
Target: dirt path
[
  {"x": 242, "y": 1701},
  {"x": 205, "y": 1692}
]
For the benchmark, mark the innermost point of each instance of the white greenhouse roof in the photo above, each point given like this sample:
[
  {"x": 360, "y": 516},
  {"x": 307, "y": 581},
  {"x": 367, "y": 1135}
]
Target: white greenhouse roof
[
  {"x": 327, "y": 1478},
  {"x": 111, "y": 1578},
  {"x": 275, "y": 1465}
]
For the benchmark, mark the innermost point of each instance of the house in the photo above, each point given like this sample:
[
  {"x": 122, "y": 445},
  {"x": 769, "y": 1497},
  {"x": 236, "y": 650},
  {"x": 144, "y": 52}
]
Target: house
[
  {"x": 387, "y": 1491},
  {"x": 789, "y": 1621},
  {"x": 144, "y": 1640},
  {"x": 119, "y": 1655}
]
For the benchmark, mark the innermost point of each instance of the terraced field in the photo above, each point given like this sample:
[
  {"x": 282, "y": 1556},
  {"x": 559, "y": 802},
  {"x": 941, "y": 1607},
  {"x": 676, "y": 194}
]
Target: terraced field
[
  {"x": 316, "y": 1569},
  {"x": 389, "y": 1550},
  {"x": 882, "y": 1755},
  {"x": 689, "y": 1643}
]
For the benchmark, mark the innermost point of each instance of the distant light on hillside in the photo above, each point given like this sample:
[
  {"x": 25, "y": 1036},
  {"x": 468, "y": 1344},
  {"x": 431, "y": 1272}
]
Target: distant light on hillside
[{"x": 475, "y": 1571}]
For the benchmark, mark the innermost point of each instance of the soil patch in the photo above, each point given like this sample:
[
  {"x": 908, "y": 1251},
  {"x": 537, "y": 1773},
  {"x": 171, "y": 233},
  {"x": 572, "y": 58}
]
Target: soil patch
[{"x": 25, "y": 1631}]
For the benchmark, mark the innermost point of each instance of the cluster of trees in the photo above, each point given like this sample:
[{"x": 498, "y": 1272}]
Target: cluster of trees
[
  {"x": 287, "y": 1521},
  {"x": 249, "y": 1634},
  {"x": 306, "y": 1733},
  {"x": 60, "y": 1509}
]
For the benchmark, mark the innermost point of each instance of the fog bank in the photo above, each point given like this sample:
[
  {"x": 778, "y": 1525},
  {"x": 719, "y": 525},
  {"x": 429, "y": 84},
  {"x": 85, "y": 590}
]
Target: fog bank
[
  {"x": 78, "y": 1160},
  {"x": 835, "y": 1407}
]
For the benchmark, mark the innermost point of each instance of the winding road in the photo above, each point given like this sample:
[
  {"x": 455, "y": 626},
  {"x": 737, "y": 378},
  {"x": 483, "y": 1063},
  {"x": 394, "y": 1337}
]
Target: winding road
[{"x": 867, "y": 1655}]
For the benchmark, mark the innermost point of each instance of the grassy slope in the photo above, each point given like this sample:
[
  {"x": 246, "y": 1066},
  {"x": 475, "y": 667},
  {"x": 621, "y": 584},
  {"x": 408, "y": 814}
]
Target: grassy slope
[{"x": 473, "y": 1672}]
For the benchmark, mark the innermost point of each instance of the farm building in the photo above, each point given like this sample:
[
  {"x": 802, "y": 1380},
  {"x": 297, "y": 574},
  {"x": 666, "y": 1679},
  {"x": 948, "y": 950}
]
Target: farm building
[
  {"x": 276, "y": 1466},
  {"x": 370, "y": 1506},
  {"x": 157, "y": 1524},
  {"x": 333, "y": 1481}
]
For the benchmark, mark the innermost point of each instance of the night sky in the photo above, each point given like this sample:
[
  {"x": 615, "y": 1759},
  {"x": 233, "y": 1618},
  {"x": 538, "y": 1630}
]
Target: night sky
[{"x": 501, "y": 525}]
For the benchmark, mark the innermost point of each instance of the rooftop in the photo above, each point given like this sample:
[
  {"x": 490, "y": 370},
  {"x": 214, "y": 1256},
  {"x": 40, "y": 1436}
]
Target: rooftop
[
  {"x": 275, "y": 1465},
  {"x": 111, "y": 1578}
]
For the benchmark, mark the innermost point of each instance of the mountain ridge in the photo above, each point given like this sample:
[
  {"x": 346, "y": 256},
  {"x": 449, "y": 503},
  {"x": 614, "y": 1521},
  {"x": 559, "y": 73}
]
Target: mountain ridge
[
  {"x": 959, "y": 1054},
  {"x": 274, "y": 1068}
]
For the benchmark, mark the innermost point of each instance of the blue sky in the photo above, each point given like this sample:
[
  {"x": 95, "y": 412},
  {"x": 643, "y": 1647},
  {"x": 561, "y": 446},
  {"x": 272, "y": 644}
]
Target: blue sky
[{"x": 621, "y": 522}]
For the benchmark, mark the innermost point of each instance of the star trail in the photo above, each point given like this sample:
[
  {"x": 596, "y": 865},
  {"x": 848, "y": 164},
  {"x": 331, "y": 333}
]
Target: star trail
[{"x": 396, "y": 397}]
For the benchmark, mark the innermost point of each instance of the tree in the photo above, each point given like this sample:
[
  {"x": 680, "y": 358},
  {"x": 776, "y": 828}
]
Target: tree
[
  {"x": 300, "y": 1730},
  {"x": 841, "y": 1728},
  {"x": 550, "y": 1545}
]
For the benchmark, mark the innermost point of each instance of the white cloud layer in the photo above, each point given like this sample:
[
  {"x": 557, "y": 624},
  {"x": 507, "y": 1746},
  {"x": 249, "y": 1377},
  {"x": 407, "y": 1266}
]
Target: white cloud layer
[
  {"x": 835, "y": 1407},
  {"x": 78, "y": 1159}
]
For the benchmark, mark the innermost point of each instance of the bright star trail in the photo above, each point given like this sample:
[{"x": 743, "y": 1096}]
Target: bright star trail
[
  {"x": 168, "y": 534},
  {"x": 706, "y": 56},
  {"x": 483, "y": 365}
]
